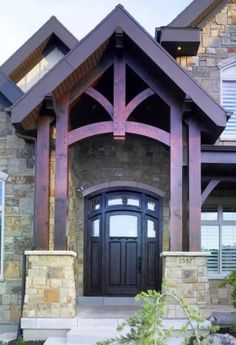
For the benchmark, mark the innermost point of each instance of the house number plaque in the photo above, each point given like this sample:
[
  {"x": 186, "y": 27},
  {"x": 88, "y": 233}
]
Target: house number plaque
[{"x": 184, "y": 260}]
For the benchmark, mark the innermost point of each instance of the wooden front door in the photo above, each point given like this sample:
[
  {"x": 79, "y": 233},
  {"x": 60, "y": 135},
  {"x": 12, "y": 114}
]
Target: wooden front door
[{"x": 122, "y": 243}]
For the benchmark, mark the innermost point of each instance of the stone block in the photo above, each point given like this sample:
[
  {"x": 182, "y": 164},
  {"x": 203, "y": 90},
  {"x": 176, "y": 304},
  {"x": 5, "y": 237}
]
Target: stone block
[
  {"x": 221, "y": 18},
  {"x": 186, "y": 290},
  {"x": 189, "y": 276},
  {"x": 51, "y": 296},
  {"x": 173, "y": 273},
  {"x": 14, "y": 313},
  {"x": 11, "y": 269},
  {"x": 55, "y": 273}
]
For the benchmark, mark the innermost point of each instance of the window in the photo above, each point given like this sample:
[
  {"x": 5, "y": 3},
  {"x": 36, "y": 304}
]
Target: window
[
  {"x": 38, "y": 71},
  {"x": 218, "y": 236},
  {"x": 2, "y": 197},
  {"x": 228, "y": 100}
]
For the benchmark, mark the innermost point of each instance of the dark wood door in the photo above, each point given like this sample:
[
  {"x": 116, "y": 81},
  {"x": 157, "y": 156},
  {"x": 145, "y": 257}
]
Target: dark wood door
[
  {"x": 122, "y": 253},
  {"x": 122, "y": 243}
]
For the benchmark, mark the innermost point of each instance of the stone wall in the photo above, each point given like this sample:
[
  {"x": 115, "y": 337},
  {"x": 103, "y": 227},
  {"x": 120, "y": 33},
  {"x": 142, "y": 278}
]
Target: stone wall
[
  {"x": 185, "y": 275},
  {"x": 102, "y": 159},
  {"x": 50, "y": 284},
  {"x": 218, "y": 42},
  {"x": 219, "y": 295},
  {"x": 17, "y": 161}
]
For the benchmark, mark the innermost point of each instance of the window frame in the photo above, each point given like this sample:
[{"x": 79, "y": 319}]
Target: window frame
[
  {"x": 220, "y": 222},
  {"x": 223, "y": 68}
]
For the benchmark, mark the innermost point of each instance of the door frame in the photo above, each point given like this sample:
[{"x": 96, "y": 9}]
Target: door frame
[{"x": 87, "y": 205}]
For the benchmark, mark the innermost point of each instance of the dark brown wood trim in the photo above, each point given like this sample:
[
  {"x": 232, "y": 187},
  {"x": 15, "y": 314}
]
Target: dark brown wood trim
[
  {"x": 89, "y": 131},
  {"x": 137, "y": 100},
  {"x": 119, "y": 97},
  {"x": 61, "y": 175},
  {"x": 41, "y": 216},
  {"x": 103, "y": 101},
  {"x": 222, "y": 157},
  {"x": 148, "y": 131},
  {"x": 90, "y": 79},
  {"x": 176, "y": 177},
  {"x": 194, "y": 186},
  {"x": 209, "y": 188}
]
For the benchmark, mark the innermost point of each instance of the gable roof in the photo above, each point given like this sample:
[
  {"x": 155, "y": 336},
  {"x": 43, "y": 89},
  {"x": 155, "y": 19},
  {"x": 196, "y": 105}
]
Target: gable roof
[
  {"x": 197, "y": 12},
  {"x": 94, "y": 43},
  {"x": 18, "y": 64},
  {"x": 10, "y": 93}
]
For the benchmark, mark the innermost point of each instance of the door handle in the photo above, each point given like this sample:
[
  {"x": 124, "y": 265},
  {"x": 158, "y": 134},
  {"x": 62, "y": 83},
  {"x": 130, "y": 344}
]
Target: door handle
[{"x": 139, "y": 264}]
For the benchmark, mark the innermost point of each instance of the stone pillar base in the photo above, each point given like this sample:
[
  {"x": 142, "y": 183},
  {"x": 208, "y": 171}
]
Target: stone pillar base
[
  {"x": 185, "y": 273},
  {"x": 50, "y": 284}
]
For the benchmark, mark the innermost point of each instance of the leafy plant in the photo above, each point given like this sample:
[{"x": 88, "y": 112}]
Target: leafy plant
[
  {"x": 231, "y": 280},
  {"x": 20, "y": 341},
  {"x": 146, "y": 327}
]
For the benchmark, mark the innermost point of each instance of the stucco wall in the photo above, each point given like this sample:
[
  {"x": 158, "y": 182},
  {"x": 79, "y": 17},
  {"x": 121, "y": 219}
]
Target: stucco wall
[
  {"x": 17, "y": 161},
  {"x": 102, "y": 159}
]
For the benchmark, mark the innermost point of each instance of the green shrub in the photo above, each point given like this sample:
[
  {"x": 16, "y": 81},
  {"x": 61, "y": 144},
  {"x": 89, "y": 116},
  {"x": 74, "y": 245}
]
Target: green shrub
[{"x": 231, "y": 280}]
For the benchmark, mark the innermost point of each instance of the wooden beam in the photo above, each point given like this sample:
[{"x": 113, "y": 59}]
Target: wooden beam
[
  {"x": 137, "y": 100},
  {"x": 89, "y": 131},
  {"x": 41, "y": 217},
  {"x": 154, "y": 83},
  {"x": 176, "y": 177},
  {"x": 209, "y": 188},
  {"x": 194, "y": 185},
  {"x": 213, "y": 157},
  {"x": 90, "y": 79},
  {"x": 148, "y": 131},
  {"x": 119, "y": 97},
  {"x": 103, "y": 101},
  {"x": 61, "y": 175}
]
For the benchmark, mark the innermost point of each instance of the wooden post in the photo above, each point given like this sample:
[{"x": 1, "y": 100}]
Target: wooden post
[
  {"x": 119, "y": 97},
  {"x": 61, "y": 175},
  {"x": 41, "y": 218},
  {"x": 194, "y": 186},
  {"x": 176, "y": 177}
]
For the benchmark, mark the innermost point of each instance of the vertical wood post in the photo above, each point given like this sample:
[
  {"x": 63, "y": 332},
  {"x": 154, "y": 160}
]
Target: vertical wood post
[
  {"x": 176, "y": 177},
  {"x": 61, "y": 175},
  {"x": 194, "y": 185},
  {"x": 41, "y": 218},
  {"x": 119, "y": 97}
]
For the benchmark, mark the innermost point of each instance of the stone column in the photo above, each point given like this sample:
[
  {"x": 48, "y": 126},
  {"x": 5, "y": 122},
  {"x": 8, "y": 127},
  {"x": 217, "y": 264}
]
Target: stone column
[
  {"x": 185, "y": 273},
  {"x": 50, "y": 284}
]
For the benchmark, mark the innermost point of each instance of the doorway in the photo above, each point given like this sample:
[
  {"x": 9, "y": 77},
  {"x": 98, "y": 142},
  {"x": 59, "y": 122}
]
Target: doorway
[{"x": 123, "y": 237}]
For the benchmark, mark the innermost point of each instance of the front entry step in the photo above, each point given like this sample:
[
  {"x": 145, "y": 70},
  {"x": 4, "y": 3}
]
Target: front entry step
[{"x": 90, "y": 331}]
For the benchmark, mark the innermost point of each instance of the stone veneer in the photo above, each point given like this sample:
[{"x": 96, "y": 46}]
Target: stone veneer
[
  {"x": 17, "y": 163},
  {"x": 50, "y": 284},
  {"x": 185, "y": 274}
]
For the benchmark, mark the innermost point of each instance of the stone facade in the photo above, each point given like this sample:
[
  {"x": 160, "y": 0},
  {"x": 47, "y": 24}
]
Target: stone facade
[
  {"x": 185, "y": 274},
  {"x": 17, "y": 162},
  {"x": 50, "y": 284},
  {"x": 102, "y": 159},
  {"x": 218, "y": 42}
]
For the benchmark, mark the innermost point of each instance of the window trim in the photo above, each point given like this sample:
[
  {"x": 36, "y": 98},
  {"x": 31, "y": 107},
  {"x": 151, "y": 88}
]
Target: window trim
[
  {"x": 220, "y": 222},
  {"x": 228, "y": 63}
]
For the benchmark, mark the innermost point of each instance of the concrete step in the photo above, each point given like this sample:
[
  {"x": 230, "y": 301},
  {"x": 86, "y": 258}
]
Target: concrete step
[
  {"x": 88, "y": 300},
  {"x": 64, "y": 341}
]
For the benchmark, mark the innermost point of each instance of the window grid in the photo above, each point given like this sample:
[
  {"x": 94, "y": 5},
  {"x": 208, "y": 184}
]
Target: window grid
[{"x": 220, "y": 223}]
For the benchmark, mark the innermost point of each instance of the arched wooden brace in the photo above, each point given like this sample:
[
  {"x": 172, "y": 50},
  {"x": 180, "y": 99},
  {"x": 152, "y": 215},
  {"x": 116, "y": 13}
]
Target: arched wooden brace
[
  {"x": 102, "y": 100},
  {"x": 107, "y": 127},
  {"x": 90, "y": 79},
  {"x": 137, "y": 100},
  {"x": 209, "y": 188}
]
